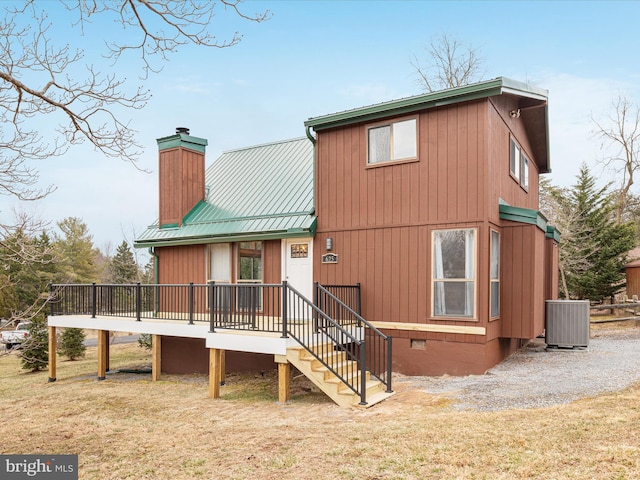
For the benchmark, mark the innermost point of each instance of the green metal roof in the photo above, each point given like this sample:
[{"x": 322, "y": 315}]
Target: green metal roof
[
  {"x": 536, "y": 119},
  {"x": 255, "y": 193},
  {"x": 523, "y": 215},
  {"x": 182, "y": 140}
]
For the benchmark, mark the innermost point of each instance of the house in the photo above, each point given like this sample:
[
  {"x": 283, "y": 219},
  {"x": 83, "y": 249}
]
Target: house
[
  {"x": 431, "y": 203},
  {"x": 414, "y": 220}
]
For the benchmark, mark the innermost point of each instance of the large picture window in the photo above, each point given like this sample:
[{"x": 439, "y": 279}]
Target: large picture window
[
  {"x": 495, "y": 274},
  {"x": 392, "y": 142},
  {"x": 454, "y": 272}
]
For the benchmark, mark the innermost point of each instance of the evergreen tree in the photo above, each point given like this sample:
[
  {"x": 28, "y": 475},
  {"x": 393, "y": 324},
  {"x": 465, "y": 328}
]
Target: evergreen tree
[
  {"x": 34, "y": 354},
  {"x": 594, "y": 246},
  {"x": 29, "y": 267},
  {"x": 72, "y": 344},
  {"x": 76, "y": 251},
  {"x": 123, "y": 265}
]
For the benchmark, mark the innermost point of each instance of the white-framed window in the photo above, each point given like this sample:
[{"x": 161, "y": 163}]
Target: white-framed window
[
  {"x": 524, "y": 178},
  {"x": 250, "y": 262},
  {"x": 220, "y": 262},
  {"x": 249, "y": 271},
  {"x": 494, "y": 269},
  {"x": 519, "y": 164},
  {"x": 514, "y": 160},
  {"x": 392, "y": 141},
  {"x": 454, "y": 273}
]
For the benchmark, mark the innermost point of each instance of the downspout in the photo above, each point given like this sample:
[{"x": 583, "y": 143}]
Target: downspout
[
  {"x": 156, "y": 276},
  {"x": 315, "y": 161},
  {"x": 156, "y": 265}
]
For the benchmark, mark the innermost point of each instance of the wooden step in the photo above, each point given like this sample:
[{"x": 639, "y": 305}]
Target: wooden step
[
  {"x": 343, "y": 369},
  {"x": 333, "y": 386}
]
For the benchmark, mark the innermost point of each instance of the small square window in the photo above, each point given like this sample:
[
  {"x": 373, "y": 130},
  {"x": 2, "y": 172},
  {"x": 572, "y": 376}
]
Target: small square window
[
  {"x": 299, "y": 250},
  {"x": 392, "y": 142}
]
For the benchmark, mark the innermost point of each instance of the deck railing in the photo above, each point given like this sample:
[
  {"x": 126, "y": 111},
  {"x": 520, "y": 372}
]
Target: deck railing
[
  {"x": 322, "y": 327},
  {"x": 377, "y": 344}
]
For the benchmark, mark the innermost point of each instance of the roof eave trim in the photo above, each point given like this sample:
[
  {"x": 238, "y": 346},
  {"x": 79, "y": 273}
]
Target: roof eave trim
[
  {"x": 476, "y": 91},
  {"x": 523, "y": 215},
  {"x": 242, "y": 237}
]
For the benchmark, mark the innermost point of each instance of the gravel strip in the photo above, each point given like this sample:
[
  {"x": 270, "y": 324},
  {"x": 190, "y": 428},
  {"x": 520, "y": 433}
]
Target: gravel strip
[{"x": 535, "y": 377}]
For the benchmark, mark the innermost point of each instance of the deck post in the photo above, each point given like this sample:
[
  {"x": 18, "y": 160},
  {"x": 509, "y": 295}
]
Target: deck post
[
  {"x": 156, "y": 362},
  {"x": 284, "y": 382},
  {"x": 389, "y": 364},
  {"x": 138, "y": 302},
  {"x": 94, "y": 299},
  {"x": 191, "y": 296},
  {"x": 212, "y": 306},
  {"x": 223, "y": 375},
  {"x": 52, "y": 354},
  {"x": 285, "y": 327},
  {"x": 363, "y": 372},
  {"x": 215, "y": 359},
  {"x": 103, "y": 353}
]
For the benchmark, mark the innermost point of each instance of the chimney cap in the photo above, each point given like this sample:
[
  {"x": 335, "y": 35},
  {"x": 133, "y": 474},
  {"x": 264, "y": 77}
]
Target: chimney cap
[{"x": 180, "y": 130}]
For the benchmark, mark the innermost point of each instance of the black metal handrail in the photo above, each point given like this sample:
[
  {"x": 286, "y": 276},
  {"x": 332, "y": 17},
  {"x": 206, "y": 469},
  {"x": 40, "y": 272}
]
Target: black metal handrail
[
  {"x": 378, "y": 344},
  {"x": 328, "y": 328},
  {"x": 348, "y": 294}
]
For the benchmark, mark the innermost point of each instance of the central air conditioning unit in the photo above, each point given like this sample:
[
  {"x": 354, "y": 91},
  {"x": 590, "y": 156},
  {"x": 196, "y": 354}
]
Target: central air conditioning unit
[{"x": 567, "y": 323}]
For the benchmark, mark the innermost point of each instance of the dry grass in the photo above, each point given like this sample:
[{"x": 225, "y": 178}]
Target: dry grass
[{"x": 127, "y": 427}]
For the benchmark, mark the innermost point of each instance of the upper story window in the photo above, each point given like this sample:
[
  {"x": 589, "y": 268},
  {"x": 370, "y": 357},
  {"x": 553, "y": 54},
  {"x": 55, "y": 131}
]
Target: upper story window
[
  {"x": 392, "y": 142},
  {"x": 519, "y": 165}
]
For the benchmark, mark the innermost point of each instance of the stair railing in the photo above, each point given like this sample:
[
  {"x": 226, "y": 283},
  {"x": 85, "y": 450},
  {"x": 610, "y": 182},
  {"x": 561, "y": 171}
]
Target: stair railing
[
  {"x": 326, "y": 340},
  {"x": 379, "y": 346}
]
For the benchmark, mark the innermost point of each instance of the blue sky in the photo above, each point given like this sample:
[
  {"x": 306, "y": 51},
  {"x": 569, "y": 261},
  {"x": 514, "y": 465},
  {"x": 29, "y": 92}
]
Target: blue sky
[{"x": 317, "y": 57}]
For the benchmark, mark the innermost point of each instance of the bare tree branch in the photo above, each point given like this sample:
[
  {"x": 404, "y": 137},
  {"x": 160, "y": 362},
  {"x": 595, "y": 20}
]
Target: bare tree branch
[
  {"x": 44, "y": 83},
  {"x": 621, "y": 131},
  {"x": 451, "y": 65}
]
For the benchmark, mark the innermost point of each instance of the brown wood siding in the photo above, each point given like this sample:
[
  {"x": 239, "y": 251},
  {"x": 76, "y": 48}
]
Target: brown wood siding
[
  {"x": 393, "y": 266},
  {"x": 633, "y": 281},
  {"x": 182, "y": 264},
  {"x": 522, "y": 281},
  {"x": 181, "y": 177},
  {"x": 381, "y": 217},
  {"x": 501, "y": 184},
  {"x": 445, "y": 184},
  {"x": 272, "y": 261},
  {"x": 272, "y": 273},
  {"x": 552, "y": 252}
]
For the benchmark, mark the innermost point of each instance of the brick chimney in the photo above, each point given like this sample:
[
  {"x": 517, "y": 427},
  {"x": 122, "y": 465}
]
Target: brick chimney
[{"x": 181, "y": 173}]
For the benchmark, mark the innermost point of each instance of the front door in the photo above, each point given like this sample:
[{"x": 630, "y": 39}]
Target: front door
[{"x": 298, "y": 265}]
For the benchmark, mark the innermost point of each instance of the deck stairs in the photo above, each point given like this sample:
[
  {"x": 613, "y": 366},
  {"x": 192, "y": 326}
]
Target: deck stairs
[{"x": 315, "y": 369}]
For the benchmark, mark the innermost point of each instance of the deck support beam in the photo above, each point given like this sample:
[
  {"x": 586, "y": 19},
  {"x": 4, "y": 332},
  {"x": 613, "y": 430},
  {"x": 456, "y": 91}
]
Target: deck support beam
[
  {"x": 103, "y": 353},
  {"x": 223, "y": 375},
  {"x": 52, "y": 354},
  {"x": 284, "y": 378},
  {"x": 156, "y": 355},
  {"x": 215, "y": 371}
]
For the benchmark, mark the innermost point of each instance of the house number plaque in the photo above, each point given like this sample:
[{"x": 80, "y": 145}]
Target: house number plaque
[{"x": 330, "y": 258}]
